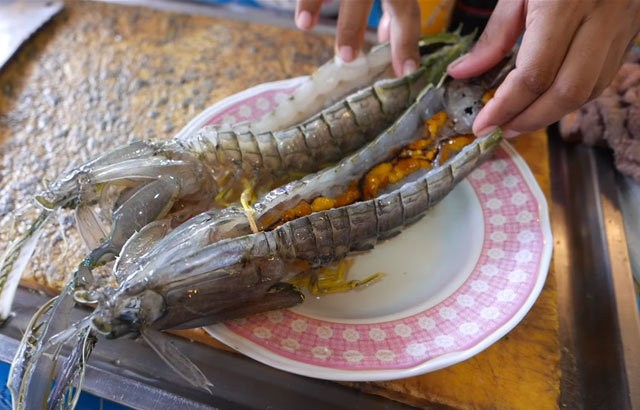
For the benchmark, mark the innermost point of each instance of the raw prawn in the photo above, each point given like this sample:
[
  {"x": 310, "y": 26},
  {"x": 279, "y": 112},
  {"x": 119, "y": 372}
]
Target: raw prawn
[
  {"x": 212, "y": 268},
  {"x": 146, "y": 181}
]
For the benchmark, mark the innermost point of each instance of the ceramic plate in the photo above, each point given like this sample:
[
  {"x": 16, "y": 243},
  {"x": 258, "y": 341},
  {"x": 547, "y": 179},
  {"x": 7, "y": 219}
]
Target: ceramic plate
[{"x": 452, "y": 284}]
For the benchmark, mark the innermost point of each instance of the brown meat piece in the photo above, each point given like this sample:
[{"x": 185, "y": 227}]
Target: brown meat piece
[{"x": 613, "y": 119}]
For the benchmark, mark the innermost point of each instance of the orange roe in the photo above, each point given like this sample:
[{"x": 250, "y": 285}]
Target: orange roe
[
  {"x": 322, "y": 203},
  {"x": 487, "y": 96},
  {"x": 302, "y": 209},
  {"x": 375, "y": 179},
  {"x": 453, "y": 145},
  {"x": 434, "y": 123},
  {"x": 417, "y": 155},
  {"x": 352, "y": 195}
]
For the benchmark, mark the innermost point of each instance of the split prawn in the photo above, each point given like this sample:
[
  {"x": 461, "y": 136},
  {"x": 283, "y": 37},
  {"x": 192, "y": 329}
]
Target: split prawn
[
  {"x": 213, "y": 268},
  {"x": 146, "y": 181}
]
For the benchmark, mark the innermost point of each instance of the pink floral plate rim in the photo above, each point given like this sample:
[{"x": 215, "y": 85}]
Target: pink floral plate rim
[{"x": 506, "y": 280}]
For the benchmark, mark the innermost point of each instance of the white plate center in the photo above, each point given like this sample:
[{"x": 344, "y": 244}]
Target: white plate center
[{"x": 421, "y": 267}]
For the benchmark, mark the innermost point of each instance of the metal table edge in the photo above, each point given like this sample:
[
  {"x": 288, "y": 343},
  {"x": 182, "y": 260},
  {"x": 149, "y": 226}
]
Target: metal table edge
[{"x": 598, "y": 315}]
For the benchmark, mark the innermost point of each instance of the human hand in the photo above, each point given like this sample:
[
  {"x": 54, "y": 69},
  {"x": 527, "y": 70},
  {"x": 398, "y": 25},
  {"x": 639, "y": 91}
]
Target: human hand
[
  {"x": 570, "y": 52},
  {"x": 400, "y": 25}
]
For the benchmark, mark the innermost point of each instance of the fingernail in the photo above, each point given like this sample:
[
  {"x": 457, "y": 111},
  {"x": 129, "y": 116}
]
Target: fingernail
[
  {"x": 507, "y": 133},
  {"x": 486, "y": 130},
  {"x": 383, "y": 28},
  {"x": 409, "y": 67},
  {"x": 458, "y": 61},
  {"x": 346, "y": 53},
  {"x": 303, "y": 21}
]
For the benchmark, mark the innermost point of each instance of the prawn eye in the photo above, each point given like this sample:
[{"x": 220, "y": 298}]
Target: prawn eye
[
  {"x": 129, "y": 316},
  {"x": 129, "y": 313}
]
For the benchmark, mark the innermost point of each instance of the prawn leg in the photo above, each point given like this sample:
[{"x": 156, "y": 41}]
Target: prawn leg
[
  {"x": 246, "y": 198},
  {"x": 331, "y": 279},
  {"x": 31, "y": 370},
  {"x": 15, "y": 260},
  {"x": 149, "y": 203},
  {"x": 65, "y": 393}
]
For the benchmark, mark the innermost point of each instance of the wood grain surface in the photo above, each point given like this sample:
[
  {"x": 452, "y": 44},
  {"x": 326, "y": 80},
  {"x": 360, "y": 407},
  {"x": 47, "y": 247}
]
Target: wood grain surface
[{"x": 99, "y": 75}]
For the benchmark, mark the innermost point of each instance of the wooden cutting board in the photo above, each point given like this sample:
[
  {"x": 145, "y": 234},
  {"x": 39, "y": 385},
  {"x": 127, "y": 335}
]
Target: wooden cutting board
[{"x": 100, "y": 74}]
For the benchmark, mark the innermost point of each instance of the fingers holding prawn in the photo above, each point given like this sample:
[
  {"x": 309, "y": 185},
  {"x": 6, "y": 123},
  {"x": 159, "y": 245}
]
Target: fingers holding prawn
[
  {"x": 352, "y": 24},
  {"x": 542, "y": 52},
  {"x": 569, "y": 53},
  {"x": 583, "y": 74},
  {"x": 401, "y": 27},
  {"x": 502, "y": 32},
  {"x": 307, "y": 12}
]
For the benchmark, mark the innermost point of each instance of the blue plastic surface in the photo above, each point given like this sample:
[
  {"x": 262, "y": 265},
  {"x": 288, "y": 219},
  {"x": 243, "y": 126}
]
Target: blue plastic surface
[{"x": 86, "y": 402}]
